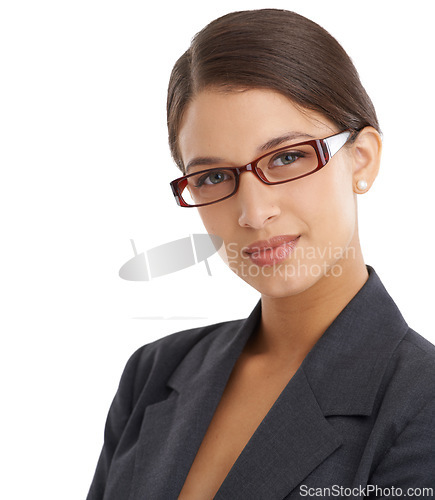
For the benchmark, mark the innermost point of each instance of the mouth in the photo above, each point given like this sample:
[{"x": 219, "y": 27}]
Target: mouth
[{"x": 272, "y": 251}]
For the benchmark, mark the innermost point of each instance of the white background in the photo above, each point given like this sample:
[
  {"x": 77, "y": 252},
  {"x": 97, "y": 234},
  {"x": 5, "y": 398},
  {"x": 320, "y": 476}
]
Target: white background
[{"x": 82, "y": 110}]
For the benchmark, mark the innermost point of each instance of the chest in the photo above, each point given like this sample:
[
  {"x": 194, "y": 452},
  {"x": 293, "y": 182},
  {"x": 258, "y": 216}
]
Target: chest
[{"x": 245, "y": 402}]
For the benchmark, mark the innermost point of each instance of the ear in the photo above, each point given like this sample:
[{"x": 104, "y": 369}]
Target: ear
[{"x": 366, "y": 152}]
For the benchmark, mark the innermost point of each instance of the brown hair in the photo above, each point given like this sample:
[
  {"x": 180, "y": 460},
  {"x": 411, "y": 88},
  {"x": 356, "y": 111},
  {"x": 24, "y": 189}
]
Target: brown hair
[{"x": 271, "y": 49}]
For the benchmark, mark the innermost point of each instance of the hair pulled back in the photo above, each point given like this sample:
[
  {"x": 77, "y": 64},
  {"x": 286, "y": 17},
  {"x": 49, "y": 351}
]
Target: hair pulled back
[{"x": 270, "y": 49}]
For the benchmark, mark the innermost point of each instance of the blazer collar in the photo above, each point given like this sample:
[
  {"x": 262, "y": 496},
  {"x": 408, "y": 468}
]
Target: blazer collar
[
  {"x": 346, "y": 365},
  {"x": 340, "y": 375}
]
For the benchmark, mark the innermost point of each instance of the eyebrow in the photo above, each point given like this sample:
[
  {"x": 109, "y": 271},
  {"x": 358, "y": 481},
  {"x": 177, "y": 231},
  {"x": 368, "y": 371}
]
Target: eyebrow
[
  {"x": 204, "y": 160},
  {"x": 277, "y": 141},
  {"x": 271, "y": 144}
]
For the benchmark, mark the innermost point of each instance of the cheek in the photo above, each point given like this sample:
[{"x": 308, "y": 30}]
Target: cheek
[
  {"x": 220, "y": 222},
  {"x": 328, "y": 205},
  {"x": 214, "y": 221}
]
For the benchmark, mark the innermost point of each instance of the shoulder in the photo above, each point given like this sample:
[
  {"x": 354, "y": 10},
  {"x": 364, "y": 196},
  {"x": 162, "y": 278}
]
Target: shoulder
[
  {"x": 409, "y": 381},
  {"x": 420, "y": 347},
  {"x": 176, "y": 345},
  {"x": 155, "y": 362},
  {"x": 413, "y": 361},
  {"x": 404, "y": 431}
]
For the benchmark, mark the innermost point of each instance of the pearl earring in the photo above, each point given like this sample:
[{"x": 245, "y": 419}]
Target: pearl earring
[{"x": 361, "y": 185}]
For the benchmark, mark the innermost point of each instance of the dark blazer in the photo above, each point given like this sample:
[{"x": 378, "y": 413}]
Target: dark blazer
[{"x": 360, "y": 410}]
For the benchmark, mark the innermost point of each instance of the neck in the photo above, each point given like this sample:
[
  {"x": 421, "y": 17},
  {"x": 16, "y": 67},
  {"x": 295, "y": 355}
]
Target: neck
[{"x": 290, "y": 326}]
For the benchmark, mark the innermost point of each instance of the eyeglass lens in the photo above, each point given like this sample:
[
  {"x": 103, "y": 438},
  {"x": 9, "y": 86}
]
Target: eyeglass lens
[{"x": 218, "y": 183}]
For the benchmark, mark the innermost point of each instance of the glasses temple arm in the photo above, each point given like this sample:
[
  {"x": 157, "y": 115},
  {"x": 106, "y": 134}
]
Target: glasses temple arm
[{"x": 336, "y": 142}]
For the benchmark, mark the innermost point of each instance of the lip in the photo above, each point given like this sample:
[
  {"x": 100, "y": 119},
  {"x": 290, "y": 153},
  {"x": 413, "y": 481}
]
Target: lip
[{"x": 272, "y": 251}]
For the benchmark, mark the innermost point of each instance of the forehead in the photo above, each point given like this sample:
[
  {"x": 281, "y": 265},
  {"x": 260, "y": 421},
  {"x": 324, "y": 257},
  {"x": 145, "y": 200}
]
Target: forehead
[{"x": 234, "y": 124}]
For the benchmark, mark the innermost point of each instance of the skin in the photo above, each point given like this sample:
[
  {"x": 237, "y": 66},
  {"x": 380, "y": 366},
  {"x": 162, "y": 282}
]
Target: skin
[{"x": 322, "y": 208}]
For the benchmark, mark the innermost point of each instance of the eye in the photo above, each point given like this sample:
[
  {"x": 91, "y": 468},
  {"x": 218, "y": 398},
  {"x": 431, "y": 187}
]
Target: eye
[
  {"x": 212, "y": 178},
  {"x": 286, "y": 158}
]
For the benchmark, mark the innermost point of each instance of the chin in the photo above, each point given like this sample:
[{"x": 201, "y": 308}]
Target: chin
[{"x": 277, "y": 282}]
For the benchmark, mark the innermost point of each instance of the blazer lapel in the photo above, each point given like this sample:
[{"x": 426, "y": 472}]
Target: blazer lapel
[
  {"x": 291, "y": 441},
  {"x": 346, "y": 366},
  {"x": 173, "y": 429}
]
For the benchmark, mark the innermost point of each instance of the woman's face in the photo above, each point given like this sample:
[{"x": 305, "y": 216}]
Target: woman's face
[{"x": 281, "y": 239}]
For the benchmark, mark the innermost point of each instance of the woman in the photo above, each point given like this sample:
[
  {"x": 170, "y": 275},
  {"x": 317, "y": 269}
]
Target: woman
[{"x": 324, "y": 390}]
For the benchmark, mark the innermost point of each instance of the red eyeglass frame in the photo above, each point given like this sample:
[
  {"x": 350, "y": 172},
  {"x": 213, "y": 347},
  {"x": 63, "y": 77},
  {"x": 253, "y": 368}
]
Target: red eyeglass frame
[{"x": 324, "y": 148}]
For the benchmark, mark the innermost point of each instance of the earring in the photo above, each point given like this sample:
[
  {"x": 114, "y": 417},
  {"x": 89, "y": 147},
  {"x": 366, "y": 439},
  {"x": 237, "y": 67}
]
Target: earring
[{"x": 361, "y": 185}]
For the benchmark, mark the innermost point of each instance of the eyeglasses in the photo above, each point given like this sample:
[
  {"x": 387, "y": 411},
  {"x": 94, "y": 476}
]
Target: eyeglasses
[{"x": 285, "y": 164}]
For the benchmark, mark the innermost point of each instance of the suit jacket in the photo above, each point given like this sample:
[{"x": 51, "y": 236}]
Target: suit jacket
[{"x": 360, "y": 410}]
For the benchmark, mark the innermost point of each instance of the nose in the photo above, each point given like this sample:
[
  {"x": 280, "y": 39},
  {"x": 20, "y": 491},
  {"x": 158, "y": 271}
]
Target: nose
[{"x": 257, "y": 202}]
